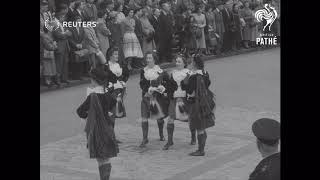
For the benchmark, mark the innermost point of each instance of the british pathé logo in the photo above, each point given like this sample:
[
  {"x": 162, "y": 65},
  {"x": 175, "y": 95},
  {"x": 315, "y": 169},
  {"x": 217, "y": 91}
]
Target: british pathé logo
[{"x": 268, "y": 13}]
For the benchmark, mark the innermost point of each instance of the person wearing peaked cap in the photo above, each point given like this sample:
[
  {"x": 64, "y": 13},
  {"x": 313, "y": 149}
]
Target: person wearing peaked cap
[
  {"x": 162, "y": 2},
  {"x": 267, "y": 132},
  {"x": 44, "y": 3},
  {"x": 97, "y": 110}
]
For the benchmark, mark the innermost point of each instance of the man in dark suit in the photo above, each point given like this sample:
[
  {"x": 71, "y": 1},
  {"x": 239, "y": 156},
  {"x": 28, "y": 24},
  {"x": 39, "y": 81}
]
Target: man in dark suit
[
  {"x": 138, "y": 27},
  {"x": 76, "y": 41},
  {"x": 78, "y": 6},
  {"x": 154, "y": 20},
  {"x": 227, "y": 20},
  {"x": 71, "y": 11},
  {"x": 267, "y": 132},
  {"x": 136, "y": 62},
  {"x": 61, "y": 35},
  {"x": 165, "y": 33}
]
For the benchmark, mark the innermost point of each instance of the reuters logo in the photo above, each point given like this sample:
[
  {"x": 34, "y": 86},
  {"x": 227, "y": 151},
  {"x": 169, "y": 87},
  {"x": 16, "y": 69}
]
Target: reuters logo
[{"x": 51, "y": 25}]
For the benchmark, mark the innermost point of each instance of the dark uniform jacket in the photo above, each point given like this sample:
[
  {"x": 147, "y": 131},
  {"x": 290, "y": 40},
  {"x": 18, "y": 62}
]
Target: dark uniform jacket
[{"x": 267, "y": 169}]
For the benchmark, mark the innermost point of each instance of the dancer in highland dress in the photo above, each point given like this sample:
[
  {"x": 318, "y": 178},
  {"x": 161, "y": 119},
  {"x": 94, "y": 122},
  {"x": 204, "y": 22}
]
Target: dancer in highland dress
[
  {"x": 201, "y": 102},
  {"x": 154, "y": 104},
  {"x": 97, "y": 110},
  {"x": 178, "y": 108},
  {"x": 119, "y": 75}
]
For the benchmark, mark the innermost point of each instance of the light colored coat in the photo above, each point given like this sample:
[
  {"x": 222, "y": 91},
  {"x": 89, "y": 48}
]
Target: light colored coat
[
  {"x": 146, "y": 29},
  {"x": 91, "y": 41},
  {"x": 102, "y": 33}
]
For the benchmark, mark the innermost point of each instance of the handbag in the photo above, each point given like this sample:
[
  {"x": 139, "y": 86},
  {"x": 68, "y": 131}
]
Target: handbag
[
  {"x": 213, "y": 38},
  {"x": 198, "y": 32},
  {"x": 48, "y": 54},
  {"x": 232, "y": 27},
  {"x": 80, "y": 55},
  {"x": 253, "y": 24},
  {"x": 150, "y": 36},
  {"x": 119, "y": 109},
  {"x": 101, "y": 57}
]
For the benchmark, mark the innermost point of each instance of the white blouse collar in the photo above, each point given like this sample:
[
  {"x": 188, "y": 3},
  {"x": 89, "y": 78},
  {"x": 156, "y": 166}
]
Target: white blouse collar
[
  {"x": 154, "y": 68},
  {"x": 198, "y": 72},
  {"x": 115, "y": 68},
  {"x": 152, "y": 73},
  {"x": 97, "y": 89},
  {"x": 179, "y": 75}
]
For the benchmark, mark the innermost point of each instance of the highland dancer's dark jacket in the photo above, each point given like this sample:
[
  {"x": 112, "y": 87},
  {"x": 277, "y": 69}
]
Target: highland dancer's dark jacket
[
  {"x": 201, "y": 100},
  {"x": 99, "y": 125}
]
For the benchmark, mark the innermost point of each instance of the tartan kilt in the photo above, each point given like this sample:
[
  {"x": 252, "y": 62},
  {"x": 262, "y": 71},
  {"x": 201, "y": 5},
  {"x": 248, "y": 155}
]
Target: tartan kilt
[
  {"x": 131, "y": 45},
  {"x": 202, "y": 123},
  {"x": 119, "y": 108},
  {"x": 172, "y": 110},
  {"x": 161, "y": 100}
]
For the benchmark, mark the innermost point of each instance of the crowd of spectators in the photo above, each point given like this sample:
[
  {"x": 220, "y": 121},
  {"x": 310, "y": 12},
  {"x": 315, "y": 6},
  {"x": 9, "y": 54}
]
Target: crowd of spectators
[{"x": 135, "y": 27}]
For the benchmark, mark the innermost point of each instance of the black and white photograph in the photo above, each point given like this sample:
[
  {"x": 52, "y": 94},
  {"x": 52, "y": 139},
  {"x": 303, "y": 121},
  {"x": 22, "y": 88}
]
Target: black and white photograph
[{"x": 160, "y": 89}]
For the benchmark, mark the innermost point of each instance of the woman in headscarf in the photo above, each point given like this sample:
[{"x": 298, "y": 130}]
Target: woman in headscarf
[
  {"x": 97, "y": 109},
  {"x": 201, "y": 103},
  {"x": 154, "y": 104},
  {"x": 178, "y": 109}
]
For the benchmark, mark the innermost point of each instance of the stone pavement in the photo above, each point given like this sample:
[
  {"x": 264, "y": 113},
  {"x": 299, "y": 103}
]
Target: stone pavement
[{"x": 231, "y": 152}]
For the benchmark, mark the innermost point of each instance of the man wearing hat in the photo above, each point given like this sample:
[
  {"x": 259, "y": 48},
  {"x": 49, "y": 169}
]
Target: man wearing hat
[{"x": 267, "y": 132}]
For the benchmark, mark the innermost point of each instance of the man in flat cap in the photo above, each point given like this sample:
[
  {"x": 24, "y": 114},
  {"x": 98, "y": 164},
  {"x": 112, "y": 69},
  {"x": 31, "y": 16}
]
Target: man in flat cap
[{"x": 267, "y": 132}]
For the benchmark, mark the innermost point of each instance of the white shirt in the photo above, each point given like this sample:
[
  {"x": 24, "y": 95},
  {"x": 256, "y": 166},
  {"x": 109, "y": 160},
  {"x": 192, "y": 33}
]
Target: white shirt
[
  {"x": 97, "y": 89},
  {"x": 152, "y": 73}
]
